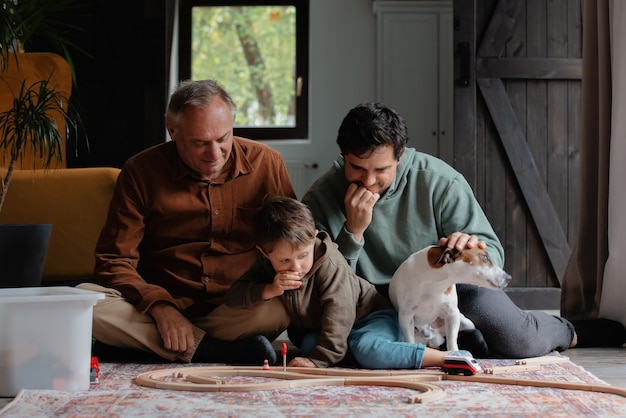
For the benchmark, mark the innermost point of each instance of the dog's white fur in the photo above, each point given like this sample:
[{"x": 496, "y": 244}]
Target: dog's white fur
[{"x": 423, "y": 292}]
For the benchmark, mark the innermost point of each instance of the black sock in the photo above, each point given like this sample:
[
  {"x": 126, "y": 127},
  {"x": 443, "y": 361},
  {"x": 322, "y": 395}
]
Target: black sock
[
  {"x": 600, "y": 332},
  {"x": 251, "y": 351},
  {"x": 473, "y": 341}
]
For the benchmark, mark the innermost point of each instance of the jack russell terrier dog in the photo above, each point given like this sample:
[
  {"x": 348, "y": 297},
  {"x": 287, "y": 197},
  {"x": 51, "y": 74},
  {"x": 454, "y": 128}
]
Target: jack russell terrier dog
[{"x": 423, "y": 292}]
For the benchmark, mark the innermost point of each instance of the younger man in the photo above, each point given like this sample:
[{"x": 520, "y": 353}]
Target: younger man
[
  {"x": 322, "y": 295},
  {"x": 382, "y": 201}
]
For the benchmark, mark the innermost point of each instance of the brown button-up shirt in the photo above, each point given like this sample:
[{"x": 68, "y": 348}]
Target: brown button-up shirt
[{"x": 170, "y": 236}]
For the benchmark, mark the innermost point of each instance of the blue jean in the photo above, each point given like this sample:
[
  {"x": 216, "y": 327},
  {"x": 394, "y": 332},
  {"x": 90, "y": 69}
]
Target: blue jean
[
  {"x": 375, "y": 343},
  {"x": 509, "y": 331}
]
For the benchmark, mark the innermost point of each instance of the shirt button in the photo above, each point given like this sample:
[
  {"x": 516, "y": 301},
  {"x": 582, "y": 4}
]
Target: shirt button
[
  {"x": 217, "y": 212},
  {"x": 206, "y": 279}
]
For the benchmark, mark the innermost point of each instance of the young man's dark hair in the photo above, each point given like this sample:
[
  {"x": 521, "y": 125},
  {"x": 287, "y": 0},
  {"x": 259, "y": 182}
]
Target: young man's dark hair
[{"x": 370, "y": 125}]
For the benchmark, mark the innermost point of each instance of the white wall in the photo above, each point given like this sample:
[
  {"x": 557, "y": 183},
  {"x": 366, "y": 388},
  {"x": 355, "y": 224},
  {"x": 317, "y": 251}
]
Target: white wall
[{"x": 342, "y": 74}]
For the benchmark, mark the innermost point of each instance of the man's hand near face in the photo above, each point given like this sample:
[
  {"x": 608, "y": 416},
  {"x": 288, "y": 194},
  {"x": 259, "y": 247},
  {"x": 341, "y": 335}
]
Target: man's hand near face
[{"x": 359, "y": 203}]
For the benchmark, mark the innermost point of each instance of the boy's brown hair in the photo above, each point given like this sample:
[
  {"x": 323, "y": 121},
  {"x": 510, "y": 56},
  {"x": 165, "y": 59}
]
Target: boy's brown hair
[{"x": 283, "y": 219}]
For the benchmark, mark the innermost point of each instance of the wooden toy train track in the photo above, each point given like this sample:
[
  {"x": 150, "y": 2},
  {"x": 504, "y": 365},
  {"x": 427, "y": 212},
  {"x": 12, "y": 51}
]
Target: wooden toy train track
[{"x": 208, "y": 379}]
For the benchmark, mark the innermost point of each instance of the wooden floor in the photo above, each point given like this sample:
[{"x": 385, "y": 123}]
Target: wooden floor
[{"x": 608, "y": 364}]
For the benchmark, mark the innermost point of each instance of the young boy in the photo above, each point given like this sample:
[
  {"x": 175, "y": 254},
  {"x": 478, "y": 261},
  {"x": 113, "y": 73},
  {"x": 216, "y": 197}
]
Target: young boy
[{"x": 322, "y": 295}]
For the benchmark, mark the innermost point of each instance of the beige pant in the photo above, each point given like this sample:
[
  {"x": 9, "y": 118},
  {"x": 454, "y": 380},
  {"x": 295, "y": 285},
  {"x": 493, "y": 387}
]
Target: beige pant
[{"x": 117, "y": 323}]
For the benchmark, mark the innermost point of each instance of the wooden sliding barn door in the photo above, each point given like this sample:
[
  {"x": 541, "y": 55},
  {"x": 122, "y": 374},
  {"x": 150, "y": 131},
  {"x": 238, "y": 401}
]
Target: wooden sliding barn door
[{"x": 516, "y": 133}]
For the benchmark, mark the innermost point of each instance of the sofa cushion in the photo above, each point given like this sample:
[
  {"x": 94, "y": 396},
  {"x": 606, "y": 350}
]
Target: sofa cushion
[{"x": 75, "y": 201}]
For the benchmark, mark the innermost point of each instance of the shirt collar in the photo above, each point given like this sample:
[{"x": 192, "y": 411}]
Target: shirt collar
[{"x": 240, "y": 167}]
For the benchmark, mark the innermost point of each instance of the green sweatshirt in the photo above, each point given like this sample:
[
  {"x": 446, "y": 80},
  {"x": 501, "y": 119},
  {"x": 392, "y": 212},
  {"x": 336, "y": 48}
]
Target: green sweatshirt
[{"x": 427, "y": 200}]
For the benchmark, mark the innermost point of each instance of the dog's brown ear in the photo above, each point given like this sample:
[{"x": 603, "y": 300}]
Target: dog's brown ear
[
  {"x": 447, "y": 256},
  {"x": 440, "y": 256}
]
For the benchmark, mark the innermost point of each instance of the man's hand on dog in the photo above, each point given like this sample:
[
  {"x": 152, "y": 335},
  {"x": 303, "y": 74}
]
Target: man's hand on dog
[{"x": 461, "y": 240}]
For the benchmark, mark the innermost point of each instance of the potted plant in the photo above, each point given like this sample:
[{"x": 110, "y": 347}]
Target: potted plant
[{"x": 36, "y": 116}]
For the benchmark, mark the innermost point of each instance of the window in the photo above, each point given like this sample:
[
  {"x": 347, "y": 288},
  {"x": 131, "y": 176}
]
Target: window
[{"x": 257, "y": 50}]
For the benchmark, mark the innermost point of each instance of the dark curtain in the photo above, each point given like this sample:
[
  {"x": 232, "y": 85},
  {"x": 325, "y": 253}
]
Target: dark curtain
[
  {"x": 171, "y": 11},
  {"x": 582, "y": 282}
]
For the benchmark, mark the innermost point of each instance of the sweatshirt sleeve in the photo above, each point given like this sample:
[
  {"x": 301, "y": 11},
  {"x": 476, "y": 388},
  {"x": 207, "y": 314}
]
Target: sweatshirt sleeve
[
  {"x": 248, "y": 289},
  {"x": 338, "y": 292},
  {"x": 459, "y": 210},
  {"x": 325, "y": 200},
  {"x": 350, "y": 247}
]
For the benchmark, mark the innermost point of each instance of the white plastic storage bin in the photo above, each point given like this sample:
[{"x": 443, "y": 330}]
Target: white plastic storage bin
[{"x": 45, "y": 338}]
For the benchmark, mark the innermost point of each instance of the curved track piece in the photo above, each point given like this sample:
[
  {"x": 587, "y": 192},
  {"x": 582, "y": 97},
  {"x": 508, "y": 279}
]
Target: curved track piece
[
  {"x": 206, "y": 379},
  {"x": 615, "y": 390}
]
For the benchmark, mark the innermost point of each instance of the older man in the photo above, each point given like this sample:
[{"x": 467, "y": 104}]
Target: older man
[{"x": 178, "y": 234}]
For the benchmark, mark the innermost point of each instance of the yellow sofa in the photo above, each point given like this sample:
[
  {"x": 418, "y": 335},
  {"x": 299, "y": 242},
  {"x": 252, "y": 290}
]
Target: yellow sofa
[{"x": 75, "y": 201}]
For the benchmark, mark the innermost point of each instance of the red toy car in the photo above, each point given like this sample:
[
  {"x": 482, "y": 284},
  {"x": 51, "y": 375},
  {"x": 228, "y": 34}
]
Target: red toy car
[{"x": 461, "y": 362}]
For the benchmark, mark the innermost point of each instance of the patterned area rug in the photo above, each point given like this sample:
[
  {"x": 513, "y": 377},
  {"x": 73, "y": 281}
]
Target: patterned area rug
[{"x": 116, "y": 394}]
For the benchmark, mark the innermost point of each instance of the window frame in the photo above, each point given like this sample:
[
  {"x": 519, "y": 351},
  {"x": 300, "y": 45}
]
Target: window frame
[{"x": 301, "y": 128}]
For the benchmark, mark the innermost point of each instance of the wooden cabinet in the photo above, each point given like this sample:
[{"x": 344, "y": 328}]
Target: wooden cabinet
[{"x": 415, "y": 70}]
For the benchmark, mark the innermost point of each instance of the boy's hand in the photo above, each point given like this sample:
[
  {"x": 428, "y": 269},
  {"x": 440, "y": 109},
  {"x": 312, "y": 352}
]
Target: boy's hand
[
  {"x": 283, "y": 280},
  {"x": 301, "y": 362}
]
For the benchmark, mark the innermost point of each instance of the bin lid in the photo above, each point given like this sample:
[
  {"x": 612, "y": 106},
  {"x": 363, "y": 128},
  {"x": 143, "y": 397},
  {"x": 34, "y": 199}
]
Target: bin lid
[{"x": 48, "y": 294}]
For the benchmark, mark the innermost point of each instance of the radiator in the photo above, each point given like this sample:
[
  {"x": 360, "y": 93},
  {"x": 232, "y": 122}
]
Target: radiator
[{"x": 299, "y": 175}]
